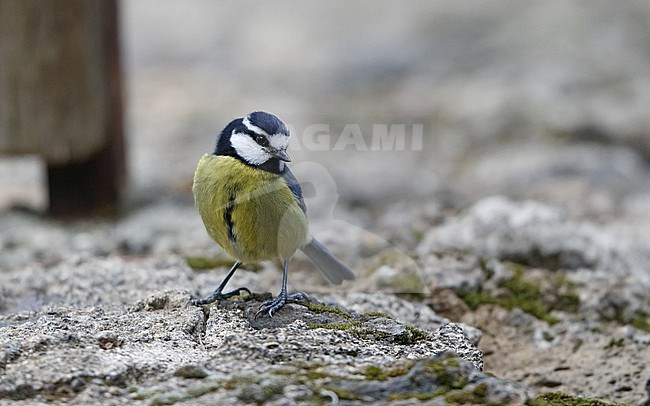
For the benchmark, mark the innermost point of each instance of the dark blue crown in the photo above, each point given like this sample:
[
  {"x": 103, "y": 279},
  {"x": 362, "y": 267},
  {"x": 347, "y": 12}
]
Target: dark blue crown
[{"x": 268, "y": 122}]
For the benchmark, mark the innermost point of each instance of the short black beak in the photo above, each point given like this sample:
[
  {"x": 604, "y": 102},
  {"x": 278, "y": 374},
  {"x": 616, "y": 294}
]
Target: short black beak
[{"x": 282, "y": 155}]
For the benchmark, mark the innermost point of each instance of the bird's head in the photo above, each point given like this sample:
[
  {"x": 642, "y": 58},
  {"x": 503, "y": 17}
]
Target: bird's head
[{"x": 260, "y": 139}]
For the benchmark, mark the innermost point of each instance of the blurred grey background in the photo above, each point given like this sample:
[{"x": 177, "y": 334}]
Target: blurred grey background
[{"x": 545, "y": 100}]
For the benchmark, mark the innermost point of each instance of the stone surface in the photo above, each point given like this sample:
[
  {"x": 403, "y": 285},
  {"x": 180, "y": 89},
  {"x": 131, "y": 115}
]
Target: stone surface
[
  {"x": 124, "y": 316},
  {"x": 152, "y": 348},
  {"x": 532, "y": 233},
  {"x": 568, "y": 287}
]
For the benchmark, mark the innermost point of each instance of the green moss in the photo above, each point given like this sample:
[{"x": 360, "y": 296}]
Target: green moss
[
  {"x": 566, "y": 297},
  {"x": 638, "y": 319},
  {"x": 400, "y": 371},
  {"x": 303, "y": 372},
  {"x": 321, "y": 308},
  {"x": 519, "y": 292},
  {"x": 340, "y": 326},
  {"x": 485, "y": 268},
  {"x": 615, "y": 343},
  {"x": 641, "y": 321},
  {"x": 563, "y": 399},
  {"x": 284, "y": 371},
  {"x": 448, "y": 375},
  {"x": 598, "y": 329},
  {"x": 534, "y": 402},
  {"x": 377, "y": 314},
  {"x": 474, "y": 299},
  {"x": 375, "y": 373},
  {"x": 446, "y": 371},
  {"x": 261, "y": 394},
  {"x": 526, "y": 296},
  {"x": 241, "y": 380},
  {"x": 412, "y": 335},
  {"x": 345, "y": 394},
  {"x": 196, "y": 391},
  {"x": 481, "y": 390},
  {"x": 271, "y": 391},
  {"x": 370, "y": 334},
  {"x": 476, "y": 396}
]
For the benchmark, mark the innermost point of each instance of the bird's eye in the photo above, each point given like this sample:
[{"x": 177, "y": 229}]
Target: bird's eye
[{"x": 262, "y": 140}]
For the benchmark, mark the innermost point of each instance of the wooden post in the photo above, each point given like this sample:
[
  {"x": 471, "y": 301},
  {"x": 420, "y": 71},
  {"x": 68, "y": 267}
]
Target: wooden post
[{"x": 61, "y": 98}]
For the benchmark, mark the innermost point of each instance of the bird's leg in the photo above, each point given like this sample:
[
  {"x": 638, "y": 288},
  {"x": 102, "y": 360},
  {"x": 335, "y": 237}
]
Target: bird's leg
[
  {"x": 276, "y": 304},
  {"x": 217, "y": 295}
]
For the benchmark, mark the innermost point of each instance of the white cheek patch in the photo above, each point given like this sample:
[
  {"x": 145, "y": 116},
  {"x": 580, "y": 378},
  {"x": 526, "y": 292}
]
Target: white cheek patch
[
  {"x": 248, "y": 149},
  {"x": 278, "y": 141}
]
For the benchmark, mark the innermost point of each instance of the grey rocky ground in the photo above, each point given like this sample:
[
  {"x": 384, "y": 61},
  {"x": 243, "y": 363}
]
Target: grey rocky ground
[
  {"x": 99, "y": 311},
  {"x": 524, "y": 220}
]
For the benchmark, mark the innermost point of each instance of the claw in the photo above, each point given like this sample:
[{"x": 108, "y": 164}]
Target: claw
[
  {"x": 276, "y": 304},
  {"x": 272, "y": 306},
  {"x": 216, "y": 295}
]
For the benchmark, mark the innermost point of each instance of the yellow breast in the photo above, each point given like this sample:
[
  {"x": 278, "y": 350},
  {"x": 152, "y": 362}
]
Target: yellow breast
[{"x": 249, "y": 212}]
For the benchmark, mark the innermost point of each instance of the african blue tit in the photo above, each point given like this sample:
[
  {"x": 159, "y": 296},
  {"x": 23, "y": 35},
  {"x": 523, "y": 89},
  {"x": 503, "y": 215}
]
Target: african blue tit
[{"x": 252, "y": 205}]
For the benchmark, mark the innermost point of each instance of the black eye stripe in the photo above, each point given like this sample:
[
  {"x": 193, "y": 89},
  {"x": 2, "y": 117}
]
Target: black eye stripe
[
  {"x": 251, "y": 134},
  {"x": 261, "y": 140}
]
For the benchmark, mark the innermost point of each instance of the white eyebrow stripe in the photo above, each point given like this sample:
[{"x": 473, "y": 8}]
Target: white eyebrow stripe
[{"x": 252, "y": 127}]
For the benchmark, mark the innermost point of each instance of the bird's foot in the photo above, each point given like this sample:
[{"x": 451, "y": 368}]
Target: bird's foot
[
  {"x": 217, "y": 295},
  {"x": 276, "y": 304}
]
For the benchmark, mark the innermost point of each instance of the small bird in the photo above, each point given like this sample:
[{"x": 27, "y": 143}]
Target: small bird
[{"x": 252, "y": 205}]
